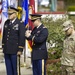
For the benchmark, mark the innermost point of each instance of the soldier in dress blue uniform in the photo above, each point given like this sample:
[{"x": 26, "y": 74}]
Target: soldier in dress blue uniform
[
  {"x": 39, "y": 53},
  {"x": 13, "y": 40}
]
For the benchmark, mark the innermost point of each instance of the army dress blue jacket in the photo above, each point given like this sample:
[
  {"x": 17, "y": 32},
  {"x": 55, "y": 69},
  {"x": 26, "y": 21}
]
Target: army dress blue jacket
[
  {"x": 39, "y": 50},
  {"x": 13, "y": 37}
]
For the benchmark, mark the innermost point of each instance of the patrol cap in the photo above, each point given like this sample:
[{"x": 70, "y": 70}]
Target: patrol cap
[
  {"x": 35, "y": 16},
  {"x": 67, "y": 24},
  {"x": 12, "y": 9}
]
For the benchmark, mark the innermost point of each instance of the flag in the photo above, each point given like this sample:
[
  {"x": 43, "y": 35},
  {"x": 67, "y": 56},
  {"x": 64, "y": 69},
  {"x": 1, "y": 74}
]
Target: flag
[
  {"x": 25, "y": 14},
  {"x": 19, "y": 12},
  {"x": 3, "y": 16},
  {"x": 4, "y": 12},
  {"x": 20, "y": 2},
  {"x": 25, "y": 19},
  {"x": 32, "y": 4},
  {"x": 20, "y": 9},
  {"x": 5, "y": 8},
  {"x": 13, "y": 3}
]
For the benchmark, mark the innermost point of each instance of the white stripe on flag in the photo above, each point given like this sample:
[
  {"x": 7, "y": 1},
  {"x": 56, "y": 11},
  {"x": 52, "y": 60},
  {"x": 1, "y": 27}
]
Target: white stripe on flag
[{"x": 13, "y": 3}]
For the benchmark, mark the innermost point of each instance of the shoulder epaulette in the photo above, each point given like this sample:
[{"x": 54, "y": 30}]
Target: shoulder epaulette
[
  {"x": 21, "y": 21},
  {"x": 44, "y": 27}
]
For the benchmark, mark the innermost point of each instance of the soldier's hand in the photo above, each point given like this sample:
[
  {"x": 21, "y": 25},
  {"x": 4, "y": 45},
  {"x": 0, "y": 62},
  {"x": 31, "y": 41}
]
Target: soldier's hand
[
  {"x": 28, "y": 33},
  {"x": 74, "y": 70},
  {"x": 19, "y": 53}
]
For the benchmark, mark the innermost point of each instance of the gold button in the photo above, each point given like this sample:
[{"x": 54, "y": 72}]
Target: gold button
[
  {"x": 17, "y": 43},
  {"x": 7, "y": 35},
  {"x": 8, "y": 32},
  {"x": 7, "y": 38},
  {"x": 8, "y": 29}
]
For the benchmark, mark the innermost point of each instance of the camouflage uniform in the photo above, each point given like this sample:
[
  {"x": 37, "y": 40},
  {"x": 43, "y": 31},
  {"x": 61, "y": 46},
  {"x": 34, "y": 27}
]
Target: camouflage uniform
[{"x": 68, "y": 55}]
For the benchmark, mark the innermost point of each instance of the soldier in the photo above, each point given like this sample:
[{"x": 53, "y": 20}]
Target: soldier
[
  {"x": 39, "y": 51},
  {"x": 13, "y": 40},
  {"x": 68, "y": 54}
]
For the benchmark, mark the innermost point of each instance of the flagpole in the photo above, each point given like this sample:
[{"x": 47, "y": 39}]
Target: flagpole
[
  {"x": 19, "y": 69},
  {"x": 25, "y": 15},
  {"x": 25, "y": 54}
]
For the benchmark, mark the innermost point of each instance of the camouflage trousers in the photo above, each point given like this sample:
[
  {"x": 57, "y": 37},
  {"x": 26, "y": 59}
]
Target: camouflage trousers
[{"x": 67, "y": 70}]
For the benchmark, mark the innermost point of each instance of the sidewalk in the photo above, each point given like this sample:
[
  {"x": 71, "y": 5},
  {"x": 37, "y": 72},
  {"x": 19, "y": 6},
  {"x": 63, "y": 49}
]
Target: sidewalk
[{"x": 24, "y": 71}]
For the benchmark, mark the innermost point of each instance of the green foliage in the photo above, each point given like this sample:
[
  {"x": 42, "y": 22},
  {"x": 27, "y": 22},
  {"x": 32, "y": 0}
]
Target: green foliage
[
  {"x": 56, "y": 36},
  {"x": 71, "y": 8},
  {"x": 54, "y": 69},
  {"x": 69, "y": 2}
]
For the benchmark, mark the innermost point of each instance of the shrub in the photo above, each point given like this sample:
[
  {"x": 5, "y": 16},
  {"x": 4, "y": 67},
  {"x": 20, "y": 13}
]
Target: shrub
[{"x": 55, "y": 37}]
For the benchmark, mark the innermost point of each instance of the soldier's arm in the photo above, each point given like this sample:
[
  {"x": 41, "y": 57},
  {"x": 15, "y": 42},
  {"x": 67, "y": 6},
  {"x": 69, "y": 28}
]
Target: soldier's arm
[
  {"x": 3, "y": 39},
  {"x": 39, "y": 39},
  {"x": 3, "y": 34},
  {"x": 42, "y": 37},
  {"x": 21, "y": 36}
]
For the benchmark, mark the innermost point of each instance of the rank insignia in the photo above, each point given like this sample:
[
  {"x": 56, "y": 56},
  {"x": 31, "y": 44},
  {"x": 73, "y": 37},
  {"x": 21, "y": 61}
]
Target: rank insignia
[{"x": 15, "y": 27}]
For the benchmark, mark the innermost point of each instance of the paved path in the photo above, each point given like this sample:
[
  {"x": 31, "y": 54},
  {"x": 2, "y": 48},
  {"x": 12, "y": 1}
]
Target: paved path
[{"x": 24, "y": 71}]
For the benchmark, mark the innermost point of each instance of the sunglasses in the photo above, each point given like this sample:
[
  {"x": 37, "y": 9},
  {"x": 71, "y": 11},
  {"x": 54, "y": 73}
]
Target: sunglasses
[{"x": 11, "y": 13}]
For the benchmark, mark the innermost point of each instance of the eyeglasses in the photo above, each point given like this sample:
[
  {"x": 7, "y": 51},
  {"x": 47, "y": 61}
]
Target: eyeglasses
[{"x": 10, "y": 13}]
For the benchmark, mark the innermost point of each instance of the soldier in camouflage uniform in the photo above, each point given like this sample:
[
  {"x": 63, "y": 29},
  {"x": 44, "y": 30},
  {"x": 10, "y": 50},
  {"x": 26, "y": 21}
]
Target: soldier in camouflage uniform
[{"x": 68, "y": 54}]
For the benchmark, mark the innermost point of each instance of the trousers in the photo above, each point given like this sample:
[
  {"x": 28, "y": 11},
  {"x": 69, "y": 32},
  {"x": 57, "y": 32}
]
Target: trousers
[{"x": 11, "y": 64}]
